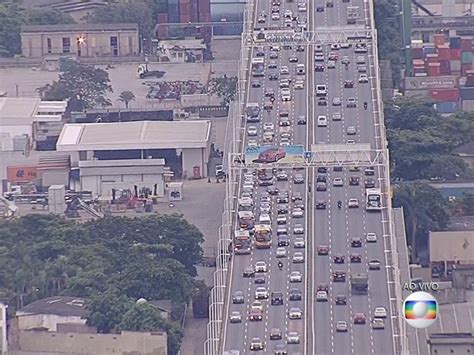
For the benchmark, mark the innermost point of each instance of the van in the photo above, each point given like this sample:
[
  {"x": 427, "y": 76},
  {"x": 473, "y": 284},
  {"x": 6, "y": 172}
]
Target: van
[
  {"x": 300, "y": 69},
  {"x": 321, "y": 90}
]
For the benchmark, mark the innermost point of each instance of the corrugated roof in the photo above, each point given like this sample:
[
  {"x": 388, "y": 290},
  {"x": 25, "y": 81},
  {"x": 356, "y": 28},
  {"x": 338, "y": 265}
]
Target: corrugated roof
[
  {"x": 80, "y": 27},
  {"x": 134, "y": 135},
  {"x": 452, "y": 245},
  {"x": 60, "y": 305}
]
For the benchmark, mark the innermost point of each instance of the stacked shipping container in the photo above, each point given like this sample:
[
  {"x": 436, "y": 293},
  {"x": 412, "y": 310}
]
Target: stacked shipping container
[{"x": 446, "y": 57}]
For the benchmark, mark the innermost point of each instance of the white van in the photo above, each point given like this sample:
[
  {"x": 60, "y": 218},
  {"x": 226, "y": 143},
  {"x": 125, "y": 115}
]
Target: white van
[{"x": 321, "y": 90}]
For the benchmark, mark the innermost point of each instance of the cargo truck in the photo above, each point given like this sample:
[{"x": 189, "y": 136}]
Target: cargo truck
[{"x": 359, "y": 283}]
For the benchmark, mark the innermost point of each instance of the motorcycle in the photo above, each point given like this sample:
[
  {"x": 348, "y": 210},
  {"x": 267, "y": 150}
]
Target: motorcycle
[
  {"x": 339, "y": 204},
  {"x": 365, "y": 105},
  {"x": 280, "y": 265}
]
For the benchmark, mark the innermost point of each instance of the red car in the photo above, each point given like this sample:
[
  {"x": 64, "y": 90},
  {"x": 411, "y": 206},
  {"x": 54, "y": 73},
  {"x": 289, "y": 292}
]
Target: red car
[
  {"x": 359, "y": 318},
  {"x": 271, "y": 155}
]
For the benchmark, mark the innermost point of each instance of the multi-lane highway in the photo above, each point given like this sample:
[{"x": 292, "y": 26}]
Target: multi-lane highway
[{"x": 332, "y": 101}]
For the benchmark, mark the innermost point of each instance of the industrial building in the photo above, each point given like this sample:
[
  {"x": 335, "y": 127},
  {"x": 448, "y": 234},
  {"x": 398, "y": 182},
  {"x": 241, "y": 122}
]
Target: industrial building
[
  {"x": 123, "y": 154},
  {"x": 29, "y": 123},
  {"x": 81, "y": 40}
]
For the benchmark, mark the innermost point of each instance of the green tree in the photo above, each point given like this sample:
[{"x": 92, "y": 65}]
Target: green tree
[
  {"x": 424, "y": 209},
  {"x": 146, "y": 317},
  {"x": 225, "y": 87},
  {"x": 12, "y": 17},
  {"x": 105, "y": 310},
  {"x": 48, "y": 17},
  {"x": 85, "y": 86},
  {"x": 126, "y": 97}
]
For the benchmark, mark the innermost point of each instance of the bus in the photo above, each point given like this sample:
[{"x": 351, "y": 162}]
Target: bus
[
  {"x": 373, "y": 199},
  {"x": 263, "y": 236},
  {"x": 246, "y": 219},
  {"x": 242, "y": 242},
  {"x": 258, "y": 67}
]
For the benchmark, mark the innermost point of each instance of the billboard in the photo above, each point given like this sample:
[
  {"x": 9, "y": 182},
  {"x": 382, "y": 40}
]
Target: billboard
[
  {"x": 21, "y": 173},
  {"x": 291, "y": 154},
  {"x": 434, "y": 82}
]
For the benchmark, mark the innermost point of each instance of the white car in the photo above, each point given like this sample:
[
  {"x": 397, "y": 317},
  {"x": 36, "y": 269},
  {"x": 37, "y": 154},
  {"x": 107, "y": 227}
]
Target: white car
[
  {"x": 260, "y": 266},
  {"x": 288, "y": 14},
  {"x": 252, "y": 131},
  {"x": 331, "y": 64},
  {"x": 378, "y": 323},
  {"x": 371, "y": 237},
  {"x": 298, "y": 257},
  {"x": 363, "y": 78},
  {"x": 337, "y": 182},
  {"x": 261, "y": 293},
  {"x": 319, "y": 58},
  {"x": 264, "y": 219},
  {"x": 293, "y": 338},
  {"x": 285, "y": 94},
  {"x": 351, "y": 130},
  {"x": 299, "y": 85},
  {"x": 252, "y": 143},
  {"x": 281, "y": 252},
  {"x": 281, "y": 219},
  {"x": 257, "y": 305},
  {"x": 284, "y": 70},
  {"x": 298, "y": 229},
  {"x": 321, "y": 90},
  {"x": 235, "y": 317},
  {"x": 380, "y": 312},
  {"x": 374, "y": 264},
  {"x": 341, "y": 326},
  {"x": 296, "y": 276},
  {"x": 322, "y": 121},
  {"x": 265, "y": 207},
  {"x": 275, "y": 16},
  {"x": 336, "y": 101},
  {"x": 360, "y": 59},
  {"x": 268, "y": 137},
  {"x": 297, "y": 213},
  {"x": 353, "y": 203},
  {"x": 268, "y": 126},
  {"x": 299, "y": 243},
  {"x": 336, "y": 116},
  {"x": 321, "y": 296},
  {"x": 295, "y": 313},
  {"x": 318, "y": 48},
  {"x": 302, "y": 7}
]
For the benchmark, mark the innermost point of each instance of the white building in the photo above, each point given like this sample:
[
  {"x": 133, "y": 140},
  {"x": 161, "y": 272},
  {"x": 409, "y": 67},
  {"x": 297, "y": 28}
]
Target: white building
[
  {"x": 136, "y": 152},
  {"x": 29, "y": 120}
]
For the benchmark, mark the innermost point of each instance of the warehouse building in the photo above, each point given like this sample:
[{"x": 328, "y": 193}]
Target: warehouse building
[{"x": 183, "y": 145}]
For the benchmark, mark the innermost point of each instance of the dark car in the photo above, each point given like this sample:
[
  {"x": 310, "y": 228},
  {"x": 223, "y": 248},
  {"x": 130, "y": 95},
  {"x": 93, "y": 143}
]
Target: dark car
[
  {"x": 319, "y": 68},
  {"x": 356, "y": 258},
  {"x": 321, "y": 186},
  {"x": 369, "y": 183},
  {"x": 259, "y": 280},
  {"x": 329, "y": 4},
  {"x": 249, "y": 271},
  {"x": 338, "y": 168},
  {"x": 282, "y": 199},
  {"x": 282, "y": 176},
  {"x": 323, "y": 287},
  {"x": 322, "y": 101},
  {"x": 277, "y": 298},
  {"x": 283, "y": 241},
  {"x": 301, "y": 120},
  {"x": 300, "y": 48},
  {"x": 348, "y": 84},
  {"x": 273, "y": 77},
  {"x": 321, "y": 178},
  {"x": 298, "y": 179},
  {"x": 295, "y": 294},
  {"x": 320, "y": 9},
  {"x": 369, "y": 171},
  {"x": 322, "y": 170},
  {"x": 354, "y": 180},
  {"x": 341, "y": 300},
  {"x": 356, "y": 243},
  {"x": 275, "y": 334},
  {"x": 320, "y": 205},
  {"x": 339, "y": 276},
  {"x": 272, "y": 190},
  {"x": 339, "y": 259},
  {"x": 282, "y": 209},
  {"x": 323, "y": 250},
  {"x": 256, "y": 84},
  {"x": 297, "y": 196}
]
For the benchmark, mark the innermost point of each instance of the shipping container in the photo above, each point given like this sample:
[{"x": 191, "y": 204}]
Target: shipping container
[
  {"x": 418, "y": 63},
  {"x": 420, "y": 75},
  {"x": 417, "y": 53},
  {"x": 467, "y": 93},
  {"x": 444, "y": 52},
  {"x": 446, "y": 107},
  {"x": 431, "y": 58},
  {"x": 456, "y": 73},
  {"x": 438, "y": 39},
  {"x": 455, "y": 54},
  {"x": 466, "y": 44},
  {"x": 445, "y": 95},
  {"x": 466, "y": 58},
  {"x": 467, "y": 105},
  {"x": 465, "y": 68},
  {"x": 433, "y": 69},
  {"x": 444, "y": 67},
  {"x": 455, "y": 65},
  {"x": 429, "y": 49},
  {"x": 469, "y": 82},
  {"x": 441, "y": 82},
  {"x": 455, "y": 42}
]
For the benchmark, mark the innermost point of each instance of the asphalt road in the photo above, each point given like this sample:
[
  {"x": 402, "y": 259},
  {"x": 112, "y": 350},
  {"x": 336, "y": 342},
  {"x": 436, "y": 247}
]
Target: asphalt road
[{"x": 333, "y": 227}]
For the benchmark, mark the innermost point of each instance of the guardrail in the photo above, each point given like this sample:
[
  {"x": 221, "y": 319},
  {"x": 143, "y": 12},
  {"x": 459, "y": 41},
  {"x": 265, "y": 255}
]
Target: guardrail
[{"x": 218, "y": 294}]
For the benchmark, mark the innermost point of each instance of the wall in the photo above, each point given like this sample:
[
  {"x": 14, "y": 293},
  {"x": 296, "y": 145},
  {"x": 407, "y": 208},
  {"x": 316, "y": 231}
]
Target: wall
[
  {"x": 91, "y": 344},
  {"x": 191, "y": 158},
  {"x": 49, "y": 321},
  {"x": 96, "y": 43},
  {"x": 17, "y": 130},
  {"x": 98, "y": 186}
]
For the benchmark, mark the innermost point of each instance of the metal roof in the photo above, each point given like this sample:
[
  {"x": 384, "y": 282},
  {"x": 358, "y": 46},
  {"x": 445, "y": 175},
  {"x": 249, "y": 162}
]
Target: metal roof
[
  {"x": 134, "y": 135},
  {"x": 80, "y": 27},
  {"x": 59, "y": 305}
]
